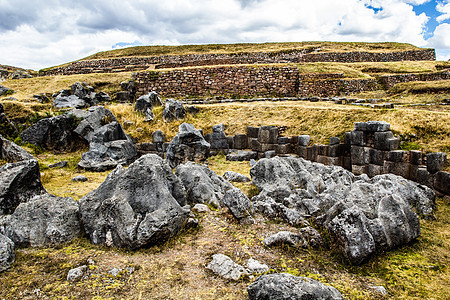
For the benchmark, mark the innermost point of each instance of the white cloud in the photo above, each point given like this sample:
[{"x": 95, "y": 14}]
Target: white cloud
[
  {"x": 444, "y": 9},
  {"x": 44, "y": 33}
]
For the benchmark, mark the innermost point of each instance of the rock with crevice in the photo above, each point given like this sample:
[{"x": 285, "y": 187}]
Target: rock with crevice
[
  {"x": 362, "y": 215},
  {"x": 173, "y": 110},
  {"x": 202, "y": 184},
  {"x": 235, "y": 177},
  {"x": 138, "y": 207},
  {"x": 226, "y": 268},
  {"x": 239, "y": 205},
  {"x": 42, "y": 221},
  {"x": 19, "y": 182},
  {"x": 11, "y": 152},
  {"x": 284, "y": 286},
  {"x": 306, "y": 238},
  {"x": 91, "y": 120},
  {"x": 188, "y": 145}
]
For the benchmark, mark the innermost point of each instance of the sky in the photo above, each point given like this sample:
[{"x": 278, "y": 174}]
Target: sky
[{"x": 36, "y": 34}]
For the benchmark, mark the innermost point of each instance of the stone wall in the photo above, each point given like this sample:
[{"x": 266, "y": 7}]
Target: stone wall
[
  {"x": 389, "y": 81},
  {"x": 370, "y": 148},
  {"x": 176, "y": 61}
]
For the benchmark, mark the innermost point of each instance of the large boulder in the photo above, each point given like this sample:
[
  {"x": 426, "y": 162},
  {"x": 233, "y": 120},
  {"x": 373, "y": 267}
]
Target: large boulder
[
  {"x": 217, "y": 138},
  {"x": 7, "y": 254},
  {"x": 109, "y": 147},
  {"x": 44, "y": 220},
  {"x": 19, "y": 182},
  {"x": 70, "y": 101},
  {"x": 284, "y": 286},
  {"x": 173, "y": 110},
  {"x": 202, "y": 184},
  {"x": 137, "y": 207},
  {"x": 187, "y": 145},
  {"x": 11, "y": 152},
  {"x": 144, "y": 105},
  {"x": 80, "y": 95},
  {"x": 91, "y": 120},
  {"x": 239, "y": 205},
  {"x": 56, "y": 133},
  {"x": 363, "y": 215}
]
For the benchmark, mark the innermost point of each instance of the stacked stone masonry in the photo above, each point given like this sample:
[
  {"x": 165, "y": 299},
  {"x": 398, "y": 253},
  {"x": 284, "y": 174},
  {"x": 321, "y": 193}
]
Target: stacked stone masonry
[
  {"x": 370, "y": 148},
  {"x": 175, "y": 61}
]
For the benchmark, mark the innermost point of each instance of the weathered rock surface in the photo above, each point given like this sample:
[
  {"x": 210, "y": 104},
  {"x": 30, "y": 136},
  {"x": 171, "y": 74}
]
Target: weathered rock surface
[
  {"x": 4, "y": 90},
  {"x": 109, "y": 147},
  {"x": 242, "y": 155},
  {"x": 202, "y": 184},
  {"x": 144, "y": 105},
  {"x": 19, "y": 182},
  {"x": 239, "y": 205},
  {"x": 70, "y": 101},
  {"x": 42, "y": 221},
  {"x": 7, "y": 254},
  {"x": 187, "y": 145},
  {"x": 217, "y": 138},
  {"x": 92, "y": 119},
  {"x": 307, "y": 237},
  {"x": 235, "y": 177},
  {"x": 7, "y": 128},
  {"x": 56, "y": 133},
  {"x": 77, "y": 274},
  {"x": 225, "y": 267},
  {"x": 284, "y": 286},
  {"x": 173, "y": 110},
  {"x": 140, "y": 206},
  {"x": 362, "y": 214},
  {"x": 254, "y": 266},
  {"x": 11, "y": 152},
  {"x": 80, "y": 95}
]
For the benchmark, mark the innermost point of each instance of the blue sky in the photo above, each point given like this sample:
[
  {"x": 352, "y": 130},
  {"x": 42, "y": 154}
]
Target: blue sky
[{"x": 43, "y": 33}]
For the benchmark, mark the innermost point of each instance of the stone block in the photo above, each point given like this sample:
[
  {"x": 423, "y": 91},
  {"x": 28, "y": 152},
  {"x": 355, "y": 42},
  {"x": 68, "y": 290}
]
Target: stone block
[
  {"x": 322, "y": 159},
  {"x": 359, "y": 155},
  {"x": 397, "y": 168},
  {"x": 381, "y": 140},
  {"x": 311, "y": 153},
  {"x": 268, "y": 135},
  {"x": 397, "y": 156},
  {"x": 267, "y": 147},
  {"x": 358, "y": 138},
  {"x": 335, "y": 150},
  {"x": 240, "y": 141},
  {"x": 334, "y": 140},
  {"x": 303, "y": 140},
  {"x": 442, "y": 182},
  {"x": 334, "y": 161},
  {"x": 323, "y": 150},
  {"x": 424, "y": 177},
  {"x": 372, "y": 126},
  {"x": 270, "y": 154},
  {"x": 283, "y": 149},
  {"x": 348, "y": 139},
  {"x": 436, "y": 161},
  {"x": 359, "y": 169},
  {"x": 242, "y": 156},
  {"x": 252, "y": 132},
  {"x": 301, "y": 151},
  {"x": 415, "y": 157},
  {"x": 377, "y": 157},
  {"x": 230, "y": 142},
  {"x": 255, "y": 145},
  {"x": 347, "y": 163},
  {"x": 282, "y": 140},
  {"x": 413, "y": 172},
  {"x": 374, "y": 170}
]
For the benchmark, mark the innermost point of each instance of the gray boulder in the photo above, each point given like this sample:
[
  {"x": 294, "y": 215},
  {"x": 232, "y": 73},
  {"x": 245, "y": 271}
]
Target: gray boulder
[
  {"x": 42, "y": 221},
  {"x": 109, "y": 147},
  {"x": 56, "y": 133},
  {"x": 7, "y": 255},
  {"x": 11, "y": 152},
  {"x": 7, "y": 128},
  {"x": 144, "y": 105},
  {"x": 141, "y": 206},
  {"x": 91, "y": 120},
  {"x": 362, "y": 215},
  {"x": 70, "y": 101},
  {"x": 239, "y": 205},
  {"x": 225, "y": 267},
  {"x": 284, "y": 286},
  {"x": 187, "y": 145},
  {"x": 173, "y": 110},
  {"x": 254, "y": 266},
  {"x": 242, "y": 155},
  {"x": 202, "y": 184},
  {"x": 306, "y": 238},
  {"x": 235, "y": 177},
  {"x": 19, "y": 182},
  {"x": 4, "y": 90},
  {"x": 217, "y": 138}
]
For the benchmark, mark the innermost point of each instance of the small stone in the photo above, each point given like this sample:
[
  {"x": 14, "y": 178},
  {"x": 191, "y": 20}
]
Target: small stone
[
  {"x": 235, "y": 177},
  {"x": 225, "y": 267},
  {"x": 379, "y": 289},
  {"x": 254, "y": 266},
  {"x": 200, "y": 208},
  {"x": 79, "y": 178},
  {"x": 77, "y": 273},
  {"x": 114, "y": 272},
  {"x": 60, "y": 164}
]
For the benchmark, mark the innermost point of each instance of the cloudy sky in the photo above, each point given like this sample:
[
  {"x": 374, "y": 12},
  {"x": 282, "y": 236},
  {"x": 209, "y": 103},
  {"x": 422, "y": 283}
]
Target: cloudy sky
[{"x": 42, "y": 33}]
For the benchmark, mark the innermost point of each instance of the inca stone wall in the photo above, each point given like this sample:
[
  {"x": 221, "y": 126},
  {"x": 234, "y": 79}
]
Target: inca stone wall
[
  {"x": 389, "y": 81},
  {"x": 176, "y": 61}
]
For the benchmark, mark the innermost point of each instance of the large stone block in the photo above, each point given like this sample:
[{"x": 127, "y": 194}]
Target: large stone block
[
  {"x": 424, "y": 177},
  {"x": 268, "y": 135},
  {"x": 311, "y": 153},
  {"x": 442, "y": 182},
  {"x": 415, "y": 157},
  {"x": 436, "y": 161},
  {"x": 267, "y": 147},
  {"x": 358, "y": 138},
  {"x": 301, "y": 151},
  {"x": 283, "y": 149},
  {"x": 397, "y": 156},
  {"x": 282, "y": 140},
  {"x": 372, "y": 126},
  {"x": 374, "y": 170},
  {"x": 323, "y": 150},
  {"x": 377, "y": 157},
  {"x": 240, "y": 141},
  {"x": 252, "y": 132},
  {"x": 255, "y": 145},
  {"x": 381, "y": 140},
  {"x": 347, "y": 163},
  {"x": 335, "y": 150},
  {"x": 359, "y": 169},
  {"x": 397, "y": 168},
  {"x": 360, "y": 155},
  {"x": 303, "y": 140}
]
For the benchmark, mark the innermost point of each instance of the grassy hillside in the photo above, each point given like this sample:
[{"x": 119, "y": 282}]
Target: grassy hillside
[{"x": 244, "y": 47}]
